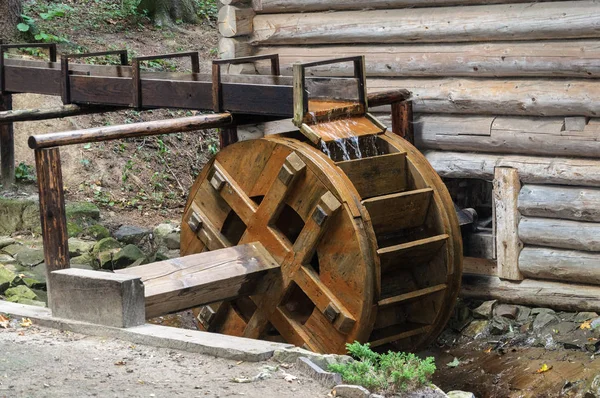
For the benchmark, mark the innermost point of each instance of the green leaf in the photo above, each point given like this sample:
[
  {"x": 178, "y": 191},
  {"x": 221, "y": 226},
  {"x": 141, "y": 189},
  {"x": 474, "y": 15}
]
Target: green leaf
[
  {"x": 23, "y": 27},
  {"x": 453, "y": 364},
  {"x": 87, "y": 146}
]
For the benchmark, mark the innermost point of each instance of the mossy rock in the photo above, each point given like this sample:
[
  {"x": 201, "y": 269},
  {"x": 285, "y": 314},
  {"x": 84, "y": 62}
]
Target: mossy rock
[
  {"x": 19, "y": 292},
  {"x": 127, "y": 256},
  {"x": 74, "y": 229},
  {"x": 105, "y": 245},
  {"x": 7, "y": 278},
  {"x": 11, "y": 213},
  {"x": 97, "y": 231},
  {"x": 13, "y": 249},
  {"x": 31, "y": 218},
  {"x": 78, "y": 247}
]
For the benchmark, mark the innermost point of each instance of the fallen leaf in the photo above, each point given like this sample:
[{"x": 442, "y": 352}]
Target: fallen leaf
[
  {"x": 239, "y": 362},
  {"x": 592, "y": 339},
  {"x": 120, "y": 363},
  {"x": 4, "y": 322},
  {"x": 586, "y": 325},
  {"x": 544, "y": 368},
  {"x": 454, "y": 363},
  {"x": 488, "y": 350},
  {"x": 25, "y": 322}
]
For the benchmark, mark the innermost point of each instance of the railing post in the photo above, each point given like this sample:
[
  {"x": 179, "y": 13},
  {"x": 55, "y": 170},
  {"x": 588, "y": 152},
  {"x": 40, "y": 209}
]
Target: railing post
[
  {"x": 402, "y": 120},
  {"x": 7, "y": 144},
  {"x": 52, "y": 212}
]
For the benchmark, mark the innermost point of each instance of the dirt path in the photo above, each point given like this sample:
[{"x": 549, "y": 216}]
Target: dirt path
[{"x": 40, "y": 362}]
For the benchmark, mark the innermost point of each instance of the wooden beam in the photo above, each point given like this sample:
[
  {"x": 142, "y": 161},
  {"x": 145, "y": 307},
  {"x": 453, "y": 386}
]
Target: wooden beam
[
  {"x": 402, "y": 120},
  {"x": 52, "y": 212},
  {"x": 560, "y": 265},
  {"x": 532, "y": 169},
  {"x": 568, "y": 203},
  {"x": 564, "y": 234},
  {"x": 26, "y": 115},
  {"x": 235, "y": 21},
  {"x": 7, "y": 144},
  {"x": 560, "y": 296},
  {"x": 540, "y": 58},
  {"x": 144, "y": 129},
  {"x": 508, "y": 245},
  {"x": 204, "y": 278},
  {"x": 560, "y": 20}
]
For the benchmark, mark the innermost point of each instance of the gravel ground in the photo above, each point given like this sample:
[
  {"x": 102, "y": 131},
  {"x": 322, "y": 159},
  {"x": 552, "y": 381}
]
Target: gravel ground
[{"x": 41, "y": 362}]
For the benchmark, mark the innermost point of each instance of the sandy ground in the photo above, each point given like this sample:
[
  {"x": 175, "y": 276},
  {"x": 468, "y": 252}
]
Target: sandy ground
[{"x": 40, "y": 362}]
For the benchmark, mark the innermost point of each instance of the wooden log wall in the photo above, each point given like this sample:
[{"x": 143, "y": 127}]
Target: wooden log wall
[{"x": 500, "y": 87}]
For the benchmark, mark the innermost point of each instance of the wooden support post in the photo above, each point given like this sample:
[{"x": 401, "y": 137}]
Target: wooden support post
[
  {"x": 402, "y": 120},
  {"x": 508, "y": 244},
  {"x": 228, "y": 136},
  {"x": 52, "y": 211},
  {"x": 7, "y": 144}
]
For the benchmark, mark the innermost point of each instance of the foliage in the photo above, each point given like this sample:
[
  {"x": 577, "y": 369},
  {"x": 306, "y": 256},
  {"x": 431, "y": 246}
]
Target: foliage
[
  {"x": 207, "y": 9},
  {"x": 25, "y": 172},
  {"x": 48, "y": 12},
  {"x": 385, "y": 373}
]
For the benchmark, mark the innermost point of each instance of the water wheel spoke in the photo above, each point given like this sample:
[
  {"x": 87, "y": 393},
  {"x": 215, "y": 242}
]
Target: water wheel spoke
[
  {"x": 233, "y": 194},
  {"x": 325, "y": 301},
  {"x": 293, "y": 332},
  {"x": 414, "y": 295},
  {"x": 207, "y": 232}
]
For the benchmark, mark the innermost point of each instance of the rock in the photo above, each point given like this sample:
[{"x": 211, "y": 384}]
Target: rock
[
  {"x": 82, "y": 266},
  {"x": 523, "y": 314},
  {"x": 17, "y": 293},
  {"x": 104, "y": 245},
  {"x": 11, "y": 215},
  {"x": 544, "y": 319},
  {"x": 78, "y": 247},
  {"x": 30, "y": 257},
  {"x": 485, "y": 310},
  {"x": 585, "y": 316},
  {"x": 127, "y": 256},
  {"x": 460, "y": 394},
  {"x": 82, "y": 212},
  {"x": 6, "y": 241},
  {"x": 536, "y": 311},
  {"x": 97, "y": 231},
  {"x": 291, "y": 355},
  {"x": 172, "y": 240},
  {"x": 595, "y": 323},
  {"x": 593, "y": 390},
  {"x": 309, "y": 368},
  {"x": 31, "y": 302},
  {"x": 507, "y": 311},
  {"x": 162, "y": 230},
  {"x": 6, "y": 278},
  {"x": 499, "y": 325},
  {"x": 350, "y": 391},
  {"x": 37, "y": 275},
  {"x": 13, "y": 249},
  {"x": 31, "y": 218},
  {"x": 462, "y": 316},
  {"x": 131, "y": 234},
  {"x": 431, "y": 391},
  {"x": 476, "y": 328},
  {"x": 6, "y": 259}
]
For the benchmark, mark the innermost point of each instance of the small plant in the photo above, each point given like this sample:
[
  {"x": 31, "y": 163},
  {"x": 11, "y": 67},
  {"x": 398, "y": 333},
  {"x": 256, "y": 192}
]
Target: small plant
[
  {"x": 384, "y": 373},
  {"x": 24, "y": 172}
]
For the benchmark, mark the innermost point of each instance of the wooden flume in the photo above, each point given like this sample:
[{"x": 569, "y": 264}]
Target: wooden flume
[{"x": 337, "y": 232}]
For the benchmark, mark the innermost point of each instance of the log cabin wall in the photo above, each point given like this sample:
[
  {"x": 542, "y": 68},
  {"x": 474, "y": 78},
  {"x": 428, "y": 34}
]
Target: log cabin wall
[{"x": 505, "y": 91}]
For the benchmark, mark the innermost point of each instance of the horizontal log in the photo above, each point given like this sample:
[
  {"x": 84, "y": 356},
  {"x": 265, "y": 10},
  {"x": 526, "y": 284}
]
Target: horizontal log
[
  {"x": 281, "y": 6},
  {"x": 235, "y": 21},
  {"x": 537, "y": 293},
  {"x": 569, "y": 203},
  {"x": 531, "y": 136},
  {"x": 560, "y": 265},
  {"x": 527, "y": 21},
  {"x": 562, "y": 234},
  {"x": 564, "y": 58},
  {"x": 524, "y": 97},
  {"x": 26, "y": 115},
  {"x": 532, "y": 169},
  {"x": 144, "y": 129}
]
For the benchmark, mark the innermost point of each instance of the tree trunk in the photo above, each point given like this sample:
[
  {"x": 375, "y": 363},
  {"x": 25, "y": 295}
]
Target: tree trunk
[
  {"x": 10, "y": 14},
  {"x": 165, "y": 12}
]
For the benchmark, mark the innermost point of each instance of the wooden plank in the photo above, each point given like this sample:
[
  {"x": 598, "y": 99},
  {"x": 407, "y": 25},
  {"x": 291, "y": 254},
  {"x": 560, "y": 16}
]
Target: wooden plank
[
  {"x": 397, "y": 332},
  {"x": 406, "y": 297},
  {"x": 560, "y": 265},
  {"x": 283, "y": 6},
  {"x": 536, "y": 293},
  {"x": 532, "y": 169},
  {"x": 390, "y": 213},
  {"x": 528, "y": 21},
  {"x": 562, "y": 234},
  {"x": 7, "y": 144},
  {"x": 32, "y": 80},
  {"x": 52, "y": 212},
  {"x": 199, "y": 279},
  {"x": 508, "y": 245},
  {"x": 569, "y": 203},
  {"x": 550, "y": 58},
  {"x": 378, "y": 175},
  {"x": 480, "y": 266},
  {"x": 410, "y": 254}
]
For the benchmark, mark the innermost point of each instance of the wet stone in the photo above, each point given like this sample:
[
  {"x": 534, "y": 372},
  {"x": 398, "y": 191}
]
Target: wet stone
[
  {"x": 131, "y": 234},
  {"x": 476, "y": 328},
  {"x": 499, "y": 325},
  {"x": 485, "y": 310},
  {"x": 585, "y": 316},
  {"x": 524, "y": 313},
  {"x": 544, "y": 319},
  {"x": 506, "y": 311},
  {"x": 6, "y": 241},
  {"x": 30, "y": 257}
]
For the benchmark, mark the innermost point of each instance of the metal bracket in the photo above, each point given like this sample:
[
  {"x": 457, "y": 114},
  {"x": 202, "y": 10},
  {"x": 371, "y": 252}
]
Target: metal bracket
[{"x": 4, "y": 47}]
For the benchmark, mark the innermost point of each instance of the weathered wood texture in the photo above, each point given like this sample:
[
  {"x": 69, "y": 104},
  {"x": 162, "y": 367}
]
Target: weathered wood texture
[
  {"x": 26, "y": 115},
  {"x": 572, "y": 58},
  {"x": 508, "y": 244},
  {"x": 532, "y": 169},
  {"x": 281, "y": 6},
  {"x": 518, "y": 135},
  {"x": 198, "y": 279},
  {"x": 529, "y": 21},
  {"x": 480, "y": 266},
  {"x": 144, "y": 129},
  {"x": 7, "y": 144},
  {"x": 52, "y": 212},
  {"x": 569, "y": 203},
  {"x": 560, "y": 265},
  {"x": 562, "y": 296},
  {"x": 235, "y": 21},
  {"x": 564, "y": 234}
]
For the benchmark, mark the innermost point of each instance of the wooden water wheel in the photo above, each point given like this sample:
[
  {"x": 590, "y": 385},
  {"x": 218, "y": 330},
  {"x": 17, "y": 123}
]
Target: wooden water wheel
[{"x": 369, "y": 248}]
